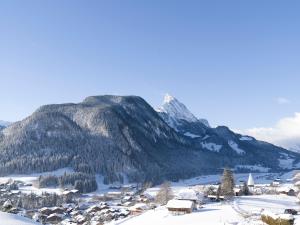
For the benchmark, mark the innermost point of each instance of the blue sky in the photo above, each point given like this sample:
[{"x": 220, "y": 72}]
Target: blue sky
[{"x": 228, "y": 61}]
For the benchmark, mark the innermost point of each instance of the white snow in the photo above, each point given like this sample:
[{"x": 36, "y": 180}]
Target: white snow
[
  {"x": 286, "y": 162},
  {"x": 212, "y": 214},
  {"x": 273, "y": 203},
  {"x": 234, "y": 146},
  {"x": 12, "y": 219},
  {"x": 32, "y": 178},
  {"x": 187, "y": 194},
  {"x": 191, "y": 135},
  {"x": 246, "y": 138},
  {"x": 177, "y": 204},
  {"x": 243, "y": 210},
  {"x": 211, "y": 146},
  {"x": 178, "y": 111}
]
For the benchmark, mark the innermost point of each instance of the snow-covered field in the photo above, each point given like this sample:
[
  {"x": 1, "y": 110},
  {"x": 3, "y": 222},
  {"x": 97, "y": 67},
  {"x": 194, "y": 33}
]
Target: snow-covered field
[
  {"x": 11, "y": 219},
  {"x": 31, "y": 178},
  {"x": 212, "y": 214},
  {"x": 236, "y": 212}
]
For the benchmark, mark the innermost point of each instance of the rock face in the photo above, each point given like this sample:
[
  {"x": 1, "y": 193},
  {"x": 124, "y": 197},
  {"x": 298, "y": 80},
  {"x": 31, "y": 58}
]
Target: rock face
[{"x": 124, "y": 137}]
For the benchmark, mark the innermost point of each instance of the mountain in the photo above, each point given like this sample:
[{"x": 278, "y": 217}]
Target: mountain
[
  {"x": 221, "y": 139},
  {"x": 123, "y": 137},
  {"x": 4, "y": 123},
  {"x": 177, "y": 116}
]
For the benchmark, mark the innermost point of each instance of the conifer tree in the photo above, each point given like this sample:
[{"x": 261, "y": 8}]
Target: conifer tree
[{"x": 227, "y": 183}]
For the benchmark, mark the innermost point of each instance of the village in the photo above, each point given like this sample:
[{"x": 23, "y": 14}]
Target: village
[{"x": 128, "y": 204}]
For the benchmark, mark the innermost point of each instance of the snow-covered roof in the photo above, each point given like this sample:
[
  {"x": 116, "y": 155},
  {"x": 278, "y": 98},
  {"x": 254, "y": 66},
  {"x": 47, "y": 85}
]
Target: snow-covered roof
[
  {"x": 180, "y": 204},
  {"x": 187, "y": 194},
  {"x": 141, "y": 206}
]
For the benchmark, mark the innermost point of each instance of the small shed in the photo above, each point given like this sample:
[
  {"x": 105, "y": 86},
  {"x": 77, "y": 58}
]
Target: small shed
[{"x": 180, "y": 206}]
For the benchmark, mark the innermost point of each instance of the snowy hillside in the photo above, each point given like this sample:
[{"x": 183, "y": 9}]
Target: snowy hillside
[{"x": 11, "y": 219}]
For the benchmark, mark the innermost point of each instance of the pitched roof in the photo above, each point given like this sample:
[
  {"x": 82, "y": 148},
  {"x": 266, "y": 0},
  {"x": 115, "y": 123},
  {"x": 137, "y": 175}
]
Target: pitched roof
[{"x": 180, "y": 204}]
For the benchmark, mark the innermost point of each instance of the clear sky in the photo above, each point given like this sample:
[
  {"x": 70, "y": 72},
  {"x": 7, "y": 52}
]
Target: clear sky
[{"x": 235, "y": 63}]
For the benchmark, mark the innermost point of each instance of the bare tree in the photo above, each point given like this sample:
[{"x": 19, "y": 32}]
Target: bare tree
[{"x": 164, "y": 194}]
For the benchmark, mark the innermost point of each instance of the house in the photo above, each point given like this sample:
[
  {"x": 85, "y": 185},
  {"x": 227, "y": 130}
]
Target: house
[
  {"x": 114, "y": 194},
  {"x": 276, "y": 182},
  {"x": 54, "y": 218},
  {"x": 145, "y": 197},
  {"x": 45, "y": 211},
  {"x": 216, "y": 198},
  {"x": 187, "y": 194},
  {"x": 238, "y": 191},
  {"x": 286, "y": 191},
  {"x": 138, "y": 208},
  {"x": 71, "y": 193},
  {"x": 180, "y": 206},
  {"x": 93, "y": 209},
  {"x": 58, "y": 210},
  {"x": 190, "y": 195}
]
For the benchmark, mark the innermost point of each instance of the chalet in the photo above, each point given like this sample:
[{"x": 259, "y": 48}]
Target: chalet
[
  {"x": 238, "y": 192},
  {"x": 45, "y": 211},
  {"x": 54, "y": 218},
  {"x": 57, "y": 210},
  {"x": 138, "y": 208},
  {"x": 93, "y": 209},
  {"x": 286, "y": 191},
  {"x": 190, "y": 195},
  {"x": 80, "y": 219},
  {"x": 114, "y": 194},
  {"x": 71, "y": 193},
  {"x": 180, "y": 206},
  {"x": 145, "y": 197},
  {"x": 128, "y": 204},
  {"x": 216, "y": 198},
  {"x": 126, "y": 199},
  {"x": 276, "y": 182},
  {"x": 7, "y": 205}
]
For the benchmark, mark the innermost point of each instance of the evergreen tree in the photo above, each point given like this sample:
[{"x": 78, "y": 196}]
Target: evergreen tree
[
  {"x": 219, "y": 191},
  {"x": 245, "y": 189},
  {"x": 227, "y": 183}
]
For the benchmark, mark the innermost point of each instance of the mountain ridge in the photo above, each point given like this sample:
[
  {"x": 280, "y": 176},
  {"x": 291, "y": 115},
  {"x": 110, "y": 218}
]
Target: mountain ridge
[{"x": 124, "y": 137}]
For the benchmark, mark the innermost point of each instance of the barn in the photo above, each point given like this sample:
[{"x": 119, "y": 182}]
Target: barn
[{"x": 180, "y": 206}]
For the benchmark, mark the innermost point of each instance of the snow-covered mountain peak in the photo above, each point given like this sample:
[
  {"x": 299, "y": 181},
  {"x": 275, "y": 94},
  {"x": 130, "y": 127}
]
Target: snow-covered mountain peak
[
  {"x": 169, "y": 98},
  {"x": 176, "y": 109}
]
